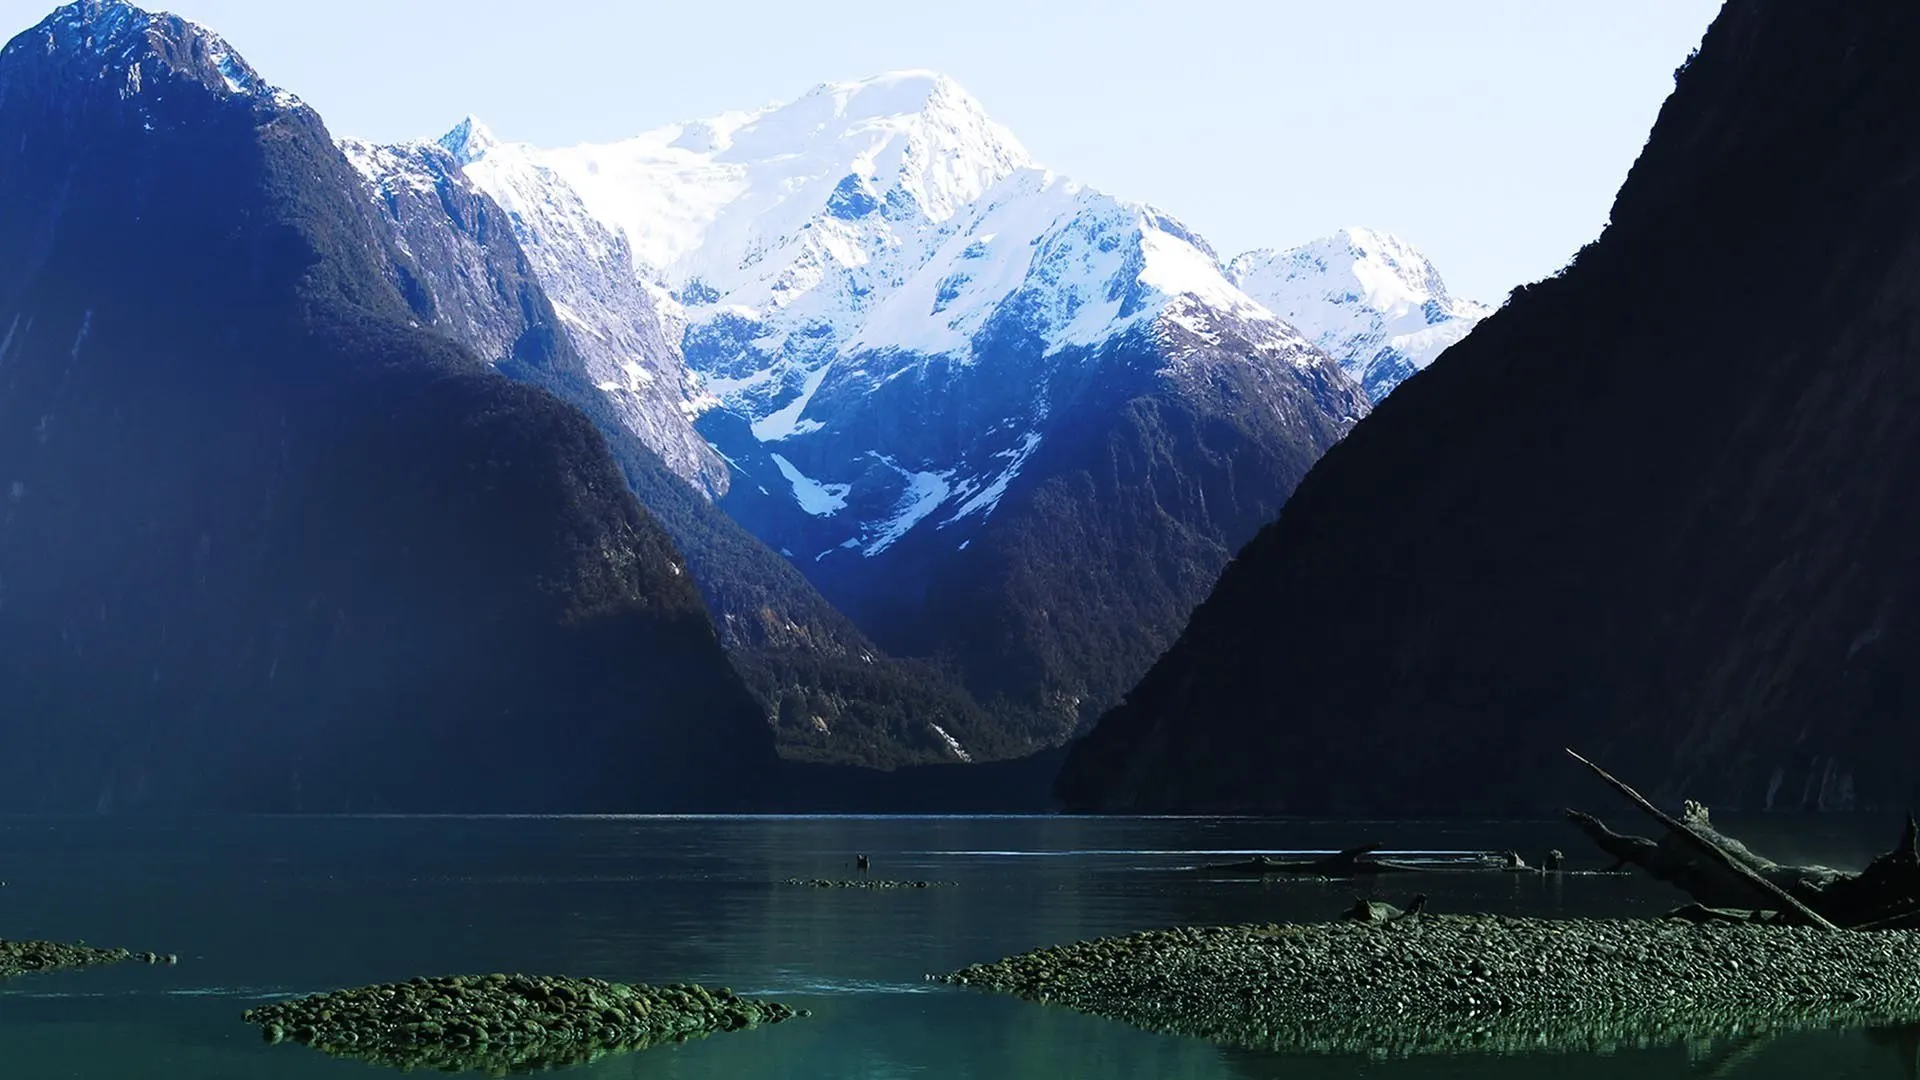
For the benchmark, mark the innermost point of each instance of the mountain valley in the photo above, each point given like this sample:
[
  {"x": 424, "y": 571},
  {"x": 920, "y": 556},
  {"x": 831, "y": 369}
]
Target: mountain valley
[
  {"x": 1006, "y": 423},
  {"x": 947, "y": 446}
]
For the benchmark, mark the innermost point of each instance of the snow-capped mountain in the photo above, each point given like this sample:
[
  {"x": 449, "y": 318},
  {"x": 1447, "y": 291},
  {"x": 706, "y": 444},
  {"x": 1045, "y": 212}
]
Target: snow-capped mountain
[
  {"x": 826, "y": 248},
  {"x": 1368, "y": 298},
  {"x": 906, "y": 330},
  {"x": 117, "y": 41}
]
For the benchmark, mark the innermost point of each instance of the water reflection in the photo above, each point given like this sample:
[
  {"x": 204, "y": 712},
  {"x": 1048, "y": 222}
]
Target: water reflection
[
  {"x": 1903, "y": 1042},
  {"x": 1882, "y": 1052}
]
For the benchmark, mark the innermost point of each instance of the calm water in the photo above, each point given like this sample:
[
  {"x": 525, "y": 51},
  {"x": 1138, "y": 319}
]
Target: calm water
[{"x": 260, "y": 908}]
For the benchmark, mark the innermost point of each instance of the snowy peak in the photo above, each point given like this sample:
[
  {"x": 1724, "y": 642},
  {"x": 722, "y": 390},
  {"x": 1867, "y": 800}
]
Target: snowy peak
[
  {"x": 100, "y": 26},
  {"x": 709, "y": 201},
  {"x": 921, "y": 131},
  {"x": 913, "y": 126},
  {"x": 468, "y": 142},
  {"x": 886, "y": 216},
  {"x": 1378, "y": 269},
  {"x": 1370, "y": 299},
  {"x": 1079, "y": 266},
  {"x": 110, "y": 39},
  {"x": 896, "y": 94}
]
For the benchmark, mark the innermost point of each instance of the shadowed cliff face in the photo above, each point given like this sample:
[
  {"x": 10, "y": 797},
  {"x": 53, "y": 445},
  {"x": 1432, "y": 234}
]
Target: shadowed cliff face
[
  {"x": 1659, "y": 507},
  {"x": 268, "y": 543},
  {"x": 829, "y": 693}
]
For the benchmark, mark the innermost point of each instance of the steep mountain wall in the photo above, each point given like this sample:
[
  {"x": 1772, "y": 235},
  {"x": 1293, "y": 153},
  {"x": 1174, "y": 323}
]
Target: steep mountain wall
[
  {"x": 267, "y": 544},
  {"x": 1656, "y": 507}
]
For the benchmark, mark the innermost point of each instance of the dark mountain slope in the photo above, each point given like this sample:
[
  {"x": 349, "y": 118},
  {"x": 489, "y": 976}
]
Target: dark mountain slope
[
  {"x": 1656, "y": 507},
  {"x": 1166, "y": 449},
  {"x": 829, "y": 692},
  {"x": 268, "y": 545}
]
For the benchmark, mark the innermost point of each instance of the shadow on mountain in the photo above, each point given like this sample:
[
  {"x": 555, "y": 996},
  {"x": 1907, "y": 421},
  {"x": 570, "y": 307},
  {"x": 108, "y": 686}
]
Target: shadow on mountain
[
  {"x": 1655, "y": 507},
  {"x": 829, "y": 693},
  {"x": 268, "y": 545}
]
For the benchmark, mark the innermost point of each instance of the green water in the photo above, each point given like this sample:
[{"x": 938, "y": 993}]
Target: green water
[{"x": 264, "y": 908}]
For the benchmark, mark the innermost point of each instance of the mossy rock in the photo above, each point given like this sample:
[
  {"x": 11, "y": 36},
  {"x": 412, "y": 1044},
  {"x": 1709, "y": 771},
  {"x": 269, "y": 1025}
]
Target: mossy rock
[
  {"x": 1451, "y": 984},
  {"x": 34, "y": 957},
  {"x": 867, "y": 883},
  {"x": 504, "y": 1024}
]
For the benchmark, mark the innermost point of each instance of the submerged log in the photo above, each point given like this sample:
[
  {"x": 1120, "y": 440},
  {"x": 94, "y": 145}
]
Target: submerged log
[
  {"x": 1355, "y": 862},
  {"x": 1339, "y": 864}
]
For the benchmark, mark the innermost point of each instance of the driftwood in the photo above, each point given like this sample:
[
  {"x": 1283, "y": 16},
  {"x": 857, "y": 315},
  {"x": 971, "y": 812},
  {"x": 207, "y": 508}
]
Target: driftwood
[
  {"x": 1348, "y": 863},
  {"x": 1379, "y": 911},
  {"x": 1719, "y": 872},
  {"x": 1680, "y": 866},
  {"x": 1353, "y": 862},
  {"x": 1714, "y": 853},
  {"x": 1884, "y": 896}
]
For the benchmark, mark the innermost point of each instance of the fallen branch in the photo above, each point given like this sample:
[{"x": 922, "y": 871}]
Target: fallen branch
[{"x": 1712, "y": 851}]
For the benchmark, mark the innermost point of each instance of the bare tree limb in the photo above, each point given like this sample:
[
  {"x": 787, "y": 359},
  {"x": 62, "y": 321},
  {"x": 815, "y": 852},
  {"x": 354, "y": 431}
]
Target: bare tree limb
[{"x": 1708, "y": 848}]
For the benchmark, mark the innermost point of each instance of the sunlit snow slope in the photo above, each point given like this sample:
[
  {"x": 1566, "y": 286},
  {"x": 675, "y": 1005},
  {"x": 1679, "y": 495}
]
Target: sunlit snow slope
[{"x": 1368, "y": 298}]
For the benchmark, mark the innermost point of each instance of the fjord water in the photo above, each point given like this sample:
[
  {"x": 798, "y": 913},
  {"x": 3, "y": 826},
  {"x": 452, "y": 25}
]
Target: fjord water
[{"x": 259, "y": 908}]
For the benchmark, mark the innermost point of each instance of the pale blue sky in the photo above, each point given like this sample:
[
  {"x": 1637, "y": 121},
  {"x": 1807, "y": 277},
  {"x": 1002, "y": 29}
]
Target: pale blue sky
[{"x": 1490, "y": 133}]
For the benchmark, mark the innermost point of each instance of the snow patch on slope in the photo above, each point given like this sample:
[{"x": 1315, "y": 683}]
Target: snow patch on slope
[
  {"x": 818, "y": 499},
  {"x": 924, "y": 494},
  {"x": 953, "y": 744},
  {"x": 989, "y": 497},
  {"x": 785, "y": 422}
]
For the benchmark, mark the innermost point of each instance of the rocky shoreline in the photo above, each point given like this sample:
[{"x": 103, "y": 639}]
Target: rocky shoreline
[
  {"x": 506, "y": 1022},
  {"x": 34, "y": 957},
  {"x": 1447, "y": 984}
]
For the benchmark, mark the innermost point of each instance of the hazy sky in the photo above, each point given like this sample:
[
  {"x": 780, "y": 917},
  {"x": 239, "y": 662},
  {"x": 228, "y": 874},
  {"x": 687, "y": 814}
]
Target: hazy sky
[{"x": 1490, "y": 133}]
